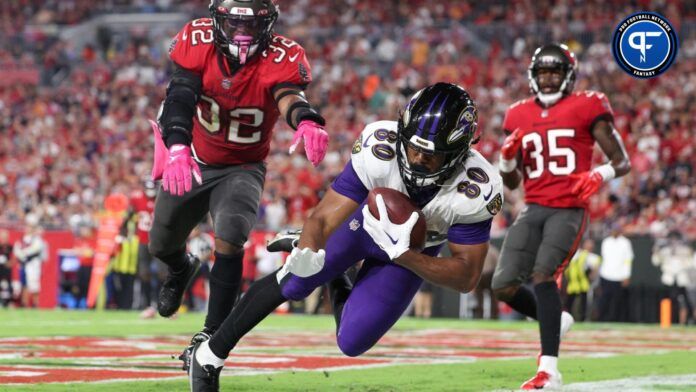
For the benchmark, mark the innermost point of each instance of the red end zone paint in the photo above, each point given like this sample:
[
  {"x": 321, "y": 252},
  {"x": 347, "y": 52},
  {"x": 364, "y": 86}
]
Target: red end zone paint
[
  {"x": 36, "y": 374},
  {"x": 150, "y": 358}
]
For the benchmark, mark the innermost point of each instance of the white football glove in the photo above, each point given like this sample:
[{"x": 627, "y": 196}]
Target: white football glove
[
  {"x": 392, "y": 238},
  {"x": 302, "y": 263}
]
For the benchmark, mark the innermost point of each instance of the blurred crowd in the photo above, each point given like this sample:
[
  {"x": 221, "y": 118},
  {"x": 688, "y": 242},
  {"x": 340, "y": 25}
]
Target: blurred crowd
[{"x": 74, "y": 118}]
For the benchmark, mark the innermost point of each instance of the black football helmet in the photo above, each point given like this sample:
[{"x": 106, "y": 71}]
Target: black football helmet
[
  {"x": 556, "y": 56},
  {"x": 439, "y": 119},
  {"x": 243, "y": 28}
]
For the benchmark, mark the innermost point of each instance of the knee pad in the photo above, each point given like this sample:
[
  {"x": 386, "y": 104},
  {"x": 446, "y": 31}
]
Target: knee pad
[
  {"x": 505, "y": 294},
  {"x": 350, "y": 347},
  {"x": 155, "y": 250},
  {"x": 500, "y": 281}
]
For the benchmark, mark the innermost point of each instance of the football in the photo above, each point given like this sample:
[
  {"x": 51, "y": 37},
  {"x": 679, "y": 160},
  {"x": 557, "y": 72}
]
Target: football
[{"x": 399, "y": 209}]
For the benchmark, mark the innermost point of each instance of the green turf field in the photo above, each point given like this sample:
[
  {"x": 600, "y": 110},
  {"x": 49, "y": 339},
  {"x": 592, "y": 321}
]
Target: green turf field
[{"x": 590, "y": 353}]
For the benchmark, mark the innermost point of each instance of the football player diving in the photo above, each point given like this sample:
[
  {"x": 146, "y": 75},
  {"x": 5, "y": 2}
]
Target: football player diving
[{"x": 426, "y": 154}]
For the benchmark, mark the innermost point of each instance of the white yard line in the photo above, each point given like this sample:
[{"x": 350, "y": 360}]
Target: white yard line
[{"x": 635, "y": 384}]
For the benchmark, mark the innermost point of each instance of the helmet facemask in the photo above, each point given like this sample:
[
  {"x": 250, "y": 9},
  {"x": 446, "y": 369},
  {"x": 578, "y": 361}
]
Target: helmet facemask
[
  {"x": 419, "y": 177},
  {"x": 240, "y": 33},
  {"x": 440, "y": 121}
]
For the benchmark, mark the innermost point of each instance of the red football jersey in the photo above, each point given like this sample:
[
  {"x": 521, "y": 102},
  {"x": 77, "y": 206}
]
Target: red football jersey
[
  {"x": 144, "y": 207},
  {"x": 236, "y": 112},
  {"x": 557, "y": 142}
]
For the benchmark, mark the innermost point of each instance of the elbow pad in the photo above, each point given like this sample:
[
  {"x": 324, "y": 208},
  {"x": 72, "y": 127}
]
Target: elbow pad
[{"x": 179, "y": 107}]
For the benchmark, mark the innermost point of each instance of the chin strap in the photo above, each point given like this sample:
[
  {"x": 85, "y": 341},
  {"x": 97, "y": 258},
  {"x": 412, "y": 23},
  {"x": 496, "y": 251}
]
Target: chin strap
[{"x": 549, "y": 99}]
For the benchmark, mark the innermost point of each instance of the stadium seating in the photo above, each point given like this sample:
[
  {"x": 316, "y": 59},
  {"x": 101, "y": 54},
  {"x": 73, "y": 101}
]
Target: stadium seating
[{"x": 74, "y": 118}]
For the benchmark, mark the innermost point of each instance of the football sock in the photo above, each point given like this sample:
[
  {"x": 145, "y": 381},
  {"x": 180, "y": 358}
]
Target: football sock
[
  {"x": 259, "y": 301},
  {"x": 177, "y": 262},
  {"x": 549, "y": 316},
  {"x": 225, "y": 279},
  {"x": 339, "y": 290},
  {"x": 206, "y": 357},
  {"x": 548, "y": 364},
  {"x": 524, "y": 302}
]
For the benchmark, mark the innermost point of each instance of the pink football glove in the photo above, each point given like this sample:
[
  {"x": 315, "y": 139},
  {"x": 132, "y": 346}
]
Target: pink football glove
[
  {"x": 316, "y": 140},
  {"x": 174, "y": 166},
  {"x": 176, "y": 178},
  {"x": 586, "y": 184}
]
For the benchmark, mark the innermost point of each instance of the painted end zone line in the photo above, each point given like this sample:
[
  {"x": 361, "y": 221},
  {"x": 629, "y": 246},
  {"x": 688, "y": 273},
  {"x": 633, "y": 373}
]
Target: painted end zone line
[{"x": 635, "y": 384}]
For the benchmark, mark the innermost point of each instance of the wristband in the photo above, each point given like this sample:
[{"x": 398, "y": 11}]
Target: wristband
[
  {"x": 606, "y": 171},
  {"x": 507, "y": 166}
]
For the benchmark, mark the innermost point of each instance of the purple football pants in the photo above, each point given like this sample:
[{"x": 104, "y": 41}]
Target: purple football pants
[{"x": 381, "y": 293}]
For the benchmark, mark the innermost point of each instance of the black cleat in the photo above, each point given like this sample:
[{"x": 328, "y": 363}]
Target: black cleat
[
  {"x": 174, "y": 286},
  {"x": 199, "y": 337},
  {"x": 284, "y": 241},
  {"x": 203, "y": 378}
]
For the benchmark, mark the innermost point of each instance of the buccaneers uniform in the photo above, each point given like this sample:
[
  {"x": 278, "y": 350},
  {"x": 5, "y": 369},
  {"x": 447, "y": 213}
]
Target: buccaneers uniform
[
  {"x": 232, "y": 132},
  {"x": 236, "y": 111},
  {"x": 232, "y": 81},
  {"x": 557, "y": 142},
  {"x": 549, "y": 148}
]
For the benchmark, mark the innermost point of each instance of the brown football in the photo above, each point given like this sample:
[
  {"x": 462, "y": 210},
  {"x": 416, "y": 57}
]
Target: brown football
[{"x": 399, "y": 209}]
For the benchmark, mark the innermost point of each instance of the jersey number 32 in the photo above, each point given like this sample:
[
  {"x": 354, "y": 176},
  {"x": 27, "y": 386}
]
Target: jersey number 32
[{"x": 252, "y": 117}]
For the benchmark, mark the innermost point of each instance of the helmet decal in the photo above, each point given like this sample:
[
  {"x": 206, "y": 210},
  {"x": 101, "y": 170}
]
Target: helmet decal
[{"x": 466, "y": 124}]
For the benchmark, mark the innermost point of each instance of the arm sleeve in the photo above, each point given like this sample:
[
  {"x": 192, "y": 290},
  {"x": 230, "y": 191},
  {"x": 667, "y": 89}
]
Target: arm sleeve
[
  {"x": 349, "y": 185},
  {"x": 470, "y": 233}
]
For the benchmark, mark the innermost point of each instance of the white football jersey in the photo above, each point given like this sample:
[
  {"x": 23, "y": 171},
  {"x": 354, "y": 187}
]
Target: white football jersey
[{"x": 473, "y": 194}]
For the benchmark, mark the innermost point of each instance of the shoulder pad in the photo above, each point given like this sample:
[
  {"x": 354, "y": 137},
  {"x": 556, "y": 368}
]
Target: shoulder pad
[
  {"x": 190, "y": 47},
  {"x": 374, "y": 156},
  {"x": 287, "y": 61},
  {"x": 519, "y": 103},
  {"x": 480, "y": 190}
]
